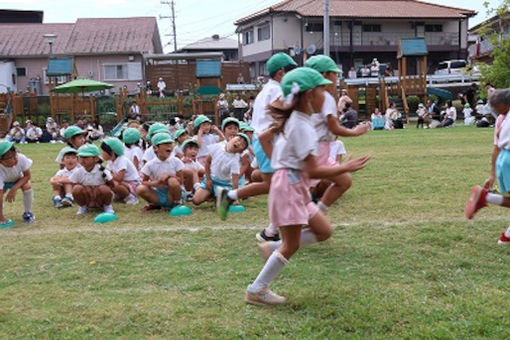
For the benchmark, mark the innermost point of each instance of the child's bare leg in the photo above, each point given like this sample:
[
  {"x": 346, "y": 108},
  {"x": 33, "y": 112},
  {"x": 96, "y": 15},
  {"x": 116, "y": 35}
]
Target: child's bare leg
[
  {"x": 68, "y": 189},
  {"x": 253, "y": 189},
  {"x": 148, "y": 194},
  {"x": 200, "y": 196},
  {"x": 341, "y": 184},
  {"x": 174, "y": 191},
  {"x": 80, "y": 195},
  {"x": 57, "y": 189},
  {"x": 2, "y": 217},
  {"x": 256, "y": 176},
  {"x": 121, "y": 191},
  {"x": 104, "y": 195},
  {"x": 189, "y": 176}
]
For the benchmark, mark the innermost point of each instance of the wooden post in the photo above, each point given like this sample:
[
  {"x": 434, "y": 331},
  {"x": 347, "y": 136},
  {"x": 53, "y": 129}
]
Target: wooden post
[
  {"x": 180, "y": 103},
  {"x": 404, "y": 71}
]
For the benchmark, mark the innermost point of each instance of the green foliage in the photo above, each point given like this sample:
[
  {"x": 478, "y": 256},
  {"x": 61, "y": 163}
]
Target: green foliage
[{"x": 412, "y": 102}]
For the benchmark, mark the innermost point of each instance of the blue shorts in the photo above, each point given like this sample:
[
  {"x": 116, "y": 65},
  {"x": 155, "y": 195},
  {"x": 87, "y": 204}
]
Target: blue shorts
[
  {"x": 163, "y": 197},
  {"x": 8, "y": 185},
  {"x": 503, "y": 171},
  {"x": 216, "y": 183},
  {"x": 262, "y": 160}
]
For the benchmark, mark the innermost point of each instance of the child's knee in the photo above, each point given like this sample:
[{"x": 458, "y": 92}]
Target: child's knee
[
  {"x": 141, "y": 189},
  {"x": 344, "y": 180},
  {"x": 78, "y": 189},
  {"x": 27, "y": 186},
  {"x": 173, "y": 183},
  {"x": 104, "y": 190}
]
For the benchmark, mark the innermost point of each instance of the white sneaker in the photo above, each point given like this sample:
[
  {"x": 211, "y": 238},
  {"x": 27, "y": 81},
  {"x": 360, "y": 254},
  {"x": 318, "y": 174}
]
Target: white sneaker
[
  {"x": 82, "y": 210},
  {"x": 131, "y": 200},
  {"x": 109, "y": 209},
  {"x": 263, "y": 298}
]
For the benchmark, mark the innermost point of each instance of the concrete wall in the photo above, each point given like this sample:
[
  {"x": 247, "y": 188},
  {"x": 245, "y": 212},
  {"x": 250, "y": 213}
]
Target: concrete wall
[{"x": 7, "y": 76}]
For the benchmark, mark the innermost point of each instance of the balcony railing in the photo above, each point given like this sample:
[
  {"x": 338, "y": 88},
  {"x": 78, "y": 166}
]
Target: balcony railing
[{"x": 391, "y": 38}]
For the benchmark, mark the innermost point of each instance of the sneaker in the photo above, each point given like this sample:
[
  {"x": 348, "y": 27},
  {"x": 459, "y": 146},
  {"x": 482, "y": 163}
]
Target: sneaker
[
  {"x": 503, "y": 239},
  {"x": 131, "y": 200},
  {"x": 476, "y": 201},
  {"x": 28, "y": 217},
  {"x": 57, "y": 202},
  {"x": 222, "y": 202},
  {"x": 108, "y": 209},
  {"x": 263, "y": 298},
  {"x": 67, "y": 202},
  {"x": 263, "y": 237},
  {"x": 82, "y": 210}
]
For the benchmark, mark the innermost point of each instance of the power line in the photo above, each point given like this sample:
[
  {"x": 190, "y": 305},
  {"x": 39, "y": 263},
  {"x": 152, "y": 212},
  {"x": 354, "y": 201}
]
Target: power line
[{"x": 172, "y": 18}]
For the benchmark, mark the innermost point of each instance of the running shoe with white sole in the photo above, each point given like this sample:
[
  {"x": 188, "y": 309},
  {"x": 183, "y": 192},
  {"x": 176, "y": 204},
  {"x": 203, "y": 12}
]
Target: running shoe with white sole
[{"x": 263, "y": 298}]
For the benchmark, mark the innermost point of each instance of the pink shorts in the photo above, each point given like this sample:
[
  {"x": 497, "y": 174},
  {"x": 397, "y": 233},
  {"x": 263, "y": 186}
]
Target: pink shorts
[
  {"x": 131, "y": 185},
  {"x": 289, "y": 199},
  {"x": 202, "y": 160},
  {"x": 323, "y": 159}
]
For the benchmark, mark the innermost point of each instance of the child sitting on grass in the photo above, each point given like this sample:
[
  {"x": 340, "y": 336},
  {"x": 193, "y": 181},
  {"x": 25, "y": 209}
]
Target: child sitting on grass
[
  {"x": 14, "y": 175},
  {"x": 193, "y": 171},
  {"x": 222, "y": 167},
  {"x": 63, "y": 193},
  {"x": 125, "y": 175},
  {"x": 205, "y": 136},
  {"x": 162, "y": 176},
  {"x": 75, "y": 138},
  {"x": 149, "y": 153},
  {"x": 92, "y": 182},
  {"x": 133, "y": 152},
  {"x": 180, "y": 136}
]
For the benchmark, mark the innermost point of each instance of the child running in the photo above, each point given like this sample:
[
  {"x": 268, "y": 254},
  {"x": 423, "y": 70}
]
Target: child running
[
  {"x": 500, "y": 170},
  {"x": 15, "y": 175},
  {"x": 278, "y": 65},
  {"x": 294, "y": 158},
  {"x": 63, "y": 193},
  {"x": 162, "y": 176},
  {"x": 125, "y": 174},
  {"x": 133, "y": 152}
]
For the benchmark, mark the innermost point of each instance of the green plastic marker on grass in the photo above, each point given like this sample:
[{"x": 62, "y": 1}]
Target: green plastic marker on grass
[
  {"x": 105, "y": 218},
  {"x": 236, "y": 209},
  {"x": 180, "y": 210},
  {"x": 8, "y": 224}
]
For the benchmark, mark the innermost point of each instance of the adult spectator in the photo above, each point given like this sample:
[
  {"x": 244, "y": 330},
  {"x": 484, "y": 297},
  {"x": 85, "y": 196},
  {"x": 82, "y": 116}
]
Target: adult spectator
[
  {"x": 391, "y": 116},
  {"x": 374, "y": 68},
  {"x": 52, "y": 128},
  {"x": 450, "y": 115},
  {"x": 62, "y": 131},
  {"x": 377, "y": 120},
  {"x": 95, "y": 131},
  {"x": 365, "y": 71},
  {"x": 239, "y": 107},
  {"x": 240, "y": 78},
  {"x": 16, "y": 133},
  {"x": 134, "y": 111},
  {"x": 344, "y": 99},
  {"x": 148, "y": 88},
  {"x": 161, "y": 87},
  {"x": 470, "y": 95},
  {"x": 222, "y": 106},
  {"x": 33, "y": 133},
  {"x": 249, "y": 113},
  {"x": 352, "y": 73},
  {"x": 350, "y": 117},
  {"x": 433, "y": 110}
]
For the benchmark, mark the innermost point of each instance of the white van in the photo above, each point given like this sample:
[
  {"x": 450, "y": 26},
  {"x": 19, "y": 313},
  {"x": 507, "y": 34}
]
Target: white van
[{"x": 451, "y": 67}]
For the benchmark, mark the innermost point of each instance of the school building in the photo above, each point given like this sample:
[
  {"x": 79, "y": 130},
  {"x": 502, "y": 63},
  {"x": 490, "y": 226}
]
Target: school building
[{"x": 360, "y": 30}]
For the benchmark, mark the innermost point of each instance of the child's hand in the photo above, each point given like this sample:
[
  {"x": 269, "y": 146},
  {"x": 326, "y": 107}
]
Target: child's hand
[
  {"x": 362, "y": 129},
  {"x": 209, "y": 184},
  {"x": 11, "y": 195},
  {"x": 214, "y": 128},
  {"x": 186, "y": 160},
  {"x": 356, "y": 164}
]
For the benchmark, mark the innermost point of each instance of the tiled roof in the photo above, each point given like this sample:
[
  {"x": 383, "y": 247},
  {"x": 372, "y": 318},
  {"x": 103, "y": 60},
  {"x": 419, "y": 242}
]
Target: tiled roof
[
  {"x": 398, "y": 9},
  {"x": 86, "y": 36},
  {"x": 213, "y": 44}
]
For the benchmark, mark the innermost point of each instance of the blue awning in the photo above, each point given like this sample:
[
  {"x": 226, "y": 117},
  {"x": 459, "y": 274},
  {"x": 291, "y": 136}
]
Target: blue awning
[
  {"x": 60, "y": 67},
  {"x": 415, "y": 47}
]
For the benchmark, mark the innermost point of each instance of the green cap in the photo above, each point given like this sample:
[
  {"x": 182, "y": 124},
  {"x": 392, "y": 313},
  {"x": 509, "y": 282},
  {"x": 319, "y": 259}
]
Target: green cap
[
  {"x": 161, "y": 138},
  {"x": 248, "y": 128},
  {"x": 5, "y": 146},
  {"x": 131, "y": 136},
  {"x": 88, "y": 150},
  {"x": 156, "y": 128},
  {"x": 73, "y": 131},
  {"x": 66, "y": 151},
  {"x": 421, "y": 105},
  {"x": 228, "y": 121},
  {"x": 322, "y": 63},
  {"x": 303, "y": 77},
  {"x": 116, "y": 145},
  {"x": 246, "y": 138},
  {"x": 279, "y": 61},
  {"x": 200, "y": 120},
  {"x": 180, "y": 132},
  {"x": 467, "y": 106},
  {"x": 188, "y": 142}
]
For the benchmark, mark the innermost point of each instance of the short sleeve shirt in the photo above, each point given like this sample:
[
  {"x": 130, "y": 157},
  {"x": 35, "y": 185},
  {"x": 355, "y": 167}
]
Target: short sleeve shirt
[
  {"x": 91, "y": 178},
  {"x": 149, "y": 154},
  {"x": 193, "y": 165},
  {"x": 223, "y": 164},
  {"x": 123, "y": 163},
  {"x": 66, "y": 172},
  {"x": 320, "y": 120},
  {"x": 504, "y": 135},
  {"x": 207, "y": 139},
  {"x": 156, "y": 168},
  {"x": 336, "y": 148},
  {"x": 134, "y": 152},
  {"x": 14, "y": 173},
  {"x": 261, "y": 118},
  {"x": 497, "y": 128}
]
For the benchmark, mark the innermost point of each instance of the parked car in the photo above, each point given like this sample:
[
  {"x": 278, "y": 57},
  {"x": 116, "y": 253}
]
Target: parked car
[{"x": 451, "y": 67}]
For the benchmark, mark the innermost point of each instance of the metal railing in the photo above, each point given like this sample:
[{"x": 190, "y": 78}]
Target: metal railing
[
  {"x": 431, "y": 79},
  {"x": 391, "y": 38}
]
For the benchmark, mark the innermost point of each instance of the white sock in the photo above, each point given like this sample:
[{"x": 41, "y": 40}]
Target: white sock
[
  {"x": 269, "y": 272},
  {"x": 507, "y": 232},
  {"x": 176, "y": 203},
  {"x": 322, "y": 207},
  {"x": 197, "y": 186},
  {"x": 28, "y": 197},
  {"x": 70, "y": 196},
  {"x": 57, "y": 197},
  {"x": 232, "y": 194},
  {"x": 271, "y": 231},
  {"x": 494, "y": 199},
  {"x": 307, "y": 238}
]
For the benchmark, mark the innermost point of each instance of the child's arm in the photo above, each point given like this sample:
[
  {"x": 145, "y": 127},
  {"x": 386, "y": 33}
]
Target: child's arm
[
  {"x": 146, "y": 180},
  {"x": 136, "y": 162},
  {"x": 2, "y": 218},
  {"x": 199, "y": 136},
  {"x": 245, "y": 164},
  {"x": 235, "y": 181},
  {"x": 11, "y": 195},
  {"x": 489, "y": 183},
  {"x": 266, "y": 141},
  {"x": 315, "y": 171},
  {"x": 339, "y": 130},
  {"x": 208, "y": 172},
  {"x": 218, "y": 131},
  {"x": 179, "y": 176},
  {"x": 119, "y": 176}
]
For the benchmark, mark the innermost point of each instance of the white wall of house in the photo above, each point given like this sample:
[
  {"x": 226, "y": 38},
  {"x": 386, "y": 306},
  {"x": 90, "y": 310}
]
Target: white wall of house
[
  {"x": 287, "y": 32},
  {"x": 7, "y": 76}
]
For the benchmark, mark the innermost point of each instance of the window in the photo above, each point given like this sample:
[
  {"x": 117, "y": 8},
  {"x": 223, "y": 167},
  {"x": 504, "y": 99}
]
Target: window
[
  {"x": 115, "y": 72},
  {"x": 263, "y": 69},
  {"x": 433, "y": 28},
  {"x": 21, "y": 71},
  {"x": 371, "y": 28},
  {"x": 314, "y": 27},
  {"x": 264, "y": 33},
  {"x": 248, "y": 37}
]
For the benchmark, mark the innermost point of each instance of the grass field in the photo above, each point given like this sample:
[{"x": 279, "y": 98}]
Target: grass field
[{"x": 403, "y": 261}]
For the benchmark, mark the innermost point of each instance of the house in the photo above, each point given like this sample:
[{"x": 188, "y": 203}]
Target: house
[
  {"x": 228, "y": 46},
  {"x": 481, "y": 35},
  {"x": 360, "y": 30},
  {"x": 107, "y": 49}
]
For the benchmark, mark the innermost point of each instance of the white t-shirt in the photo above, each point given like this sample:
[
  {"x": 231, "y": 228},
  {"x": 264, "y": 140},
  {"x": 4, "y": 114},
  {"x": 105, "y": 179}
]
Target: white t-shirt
[
  {"x": 320, "y": 120},
  {"x": 34, "y": 132},
  {"x": 177, "y": 151},
  {"x": 123, "y": 163},
  {"x": 336, "y": 148},
  {"x": 297, "y": 141},
  {"x": 14, "y": 173},
  {"x": 467, "y": 112},
  {"x": 504, "y": 135},
  {"x": 451, "y": 112},
  {"x": 261, "y": 118},
  {"x": 193, "y": 165},
  {"x": 131, "y": 153},
  {"x": 161, "y": 85},
  {"x": 156, "y": 168},
  {"x": 223, "y": 164},
  {"x": 66, "y": 172},
  {"x": 207, "y": 139},
  {"x": 92, "y": 178},
  {"x": 149, "y": 154}
]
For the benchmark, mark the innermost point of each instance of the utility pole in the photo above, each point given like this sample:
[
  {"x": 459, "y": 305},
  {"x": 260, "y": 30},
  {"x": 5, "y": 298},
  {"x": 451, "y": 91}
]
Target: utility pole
[
  {"x": 172, "y": 17},
  {"x": 326, "y": 27}
]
